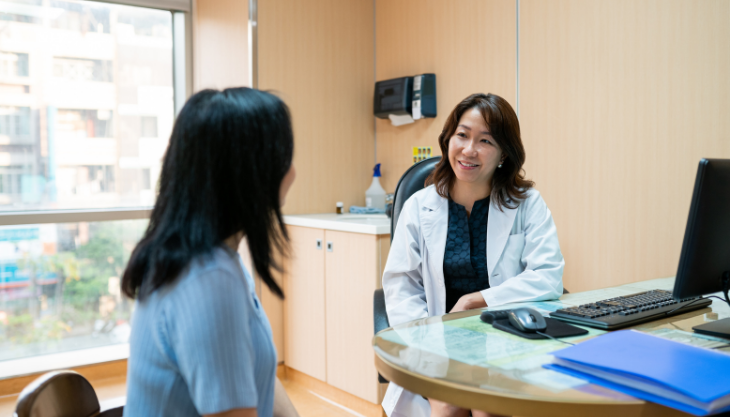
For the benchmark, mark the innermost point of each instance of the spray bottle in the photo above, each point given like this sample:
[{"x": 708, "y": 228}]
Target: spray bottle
[{"x": 375, "y": 195}]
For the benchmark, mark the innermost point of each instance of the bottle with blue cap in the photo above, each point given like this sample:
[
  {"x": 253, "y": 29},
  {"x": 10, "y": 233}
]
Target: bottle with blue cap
[{"x": 375, "y": 195}]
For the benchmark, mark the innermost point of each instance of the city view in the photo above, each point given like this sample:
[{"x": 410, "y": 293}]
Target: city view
[{"x": 86, "y": 109}]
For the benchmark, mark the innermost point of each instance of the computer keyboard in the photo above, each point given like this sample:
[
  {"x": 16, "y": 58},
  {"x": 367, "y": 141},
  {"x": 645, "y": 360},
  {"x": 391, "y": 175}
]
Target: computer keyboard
[{"x": 628, "y": 310}]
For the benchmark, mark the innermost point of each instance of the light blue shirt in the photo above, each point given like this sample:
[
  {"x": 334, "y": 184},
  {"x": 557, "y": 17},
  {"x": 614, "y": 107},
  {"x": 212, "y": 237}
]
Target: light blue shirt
[{"x": 202, "y": 345}]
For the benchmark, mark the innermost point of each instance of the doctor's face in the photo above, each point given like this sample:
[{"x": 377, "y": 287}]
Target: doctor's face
[{"x": 473, "y": 153}]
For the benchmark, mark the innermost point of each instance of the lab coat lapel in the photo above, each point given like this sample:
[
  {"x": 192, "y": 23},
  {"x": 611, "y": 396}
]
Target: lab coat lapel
[
  {"x": 434, "y": 223},
  {"x": 499, "y": 226}
]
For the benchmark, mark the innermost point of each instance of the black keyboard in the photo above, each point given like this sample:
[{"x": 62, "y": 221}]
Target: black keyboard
[{"x": 628, "y": 310}]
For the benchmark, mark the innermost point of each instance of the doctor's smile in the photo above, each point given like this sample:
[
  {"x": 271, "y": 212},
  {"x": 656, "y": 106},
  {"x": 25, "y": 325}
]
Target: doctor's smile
[{"x": 467, "y": 165}]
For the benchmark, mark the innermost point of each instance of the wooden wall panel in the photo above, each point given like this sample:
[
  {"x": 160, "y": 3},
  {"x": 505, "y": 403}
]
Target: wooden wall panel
[
  {"x": 619, "y": 101},
  {"x": 318, "y": 56},
  {"x": 471, "y": 47},
  {"x": 220, "y": 55}
]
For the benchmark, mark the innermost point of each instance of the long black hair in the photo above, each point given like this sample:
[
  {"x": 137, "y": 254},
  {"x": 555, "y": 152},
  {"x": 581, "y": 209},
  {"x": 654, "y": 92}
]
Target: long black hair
[{"x": 229, "y": 152}]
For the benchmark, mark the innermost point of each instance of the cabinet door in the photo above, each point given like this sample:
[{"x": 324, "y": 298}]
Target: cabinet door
[
  {"x": 273, "y": 305},
  {"x": 304, "y": 324},
  {"x": 352, "y": 274}
]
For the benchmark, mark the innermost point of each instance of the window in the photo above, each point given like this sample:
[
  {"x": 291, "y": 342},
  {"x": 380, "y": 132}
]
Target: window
[
  {"x": 78, "y": 69},
  {"x": 15, "y": 125},
  {"x": 87, "y": 105},
  {"x": 59, "y": 286},
  {"x": 149, "y": 127},
  {"x": 13, "y": 64},
  {"x": 84, "y": 123},
  {"x": 86, "y": 114}
]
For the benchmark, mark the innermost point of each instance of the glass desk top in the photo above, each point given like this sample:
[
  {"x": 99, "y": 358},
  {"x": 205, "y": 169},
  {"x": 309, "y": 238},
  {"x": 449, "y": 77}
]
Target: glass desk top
[{"x": 461, "y": 352}]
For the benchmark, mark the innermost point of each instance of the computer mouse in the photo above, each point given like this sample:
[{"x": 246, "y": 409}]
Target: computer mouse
[{"x": 527, "y": 320}]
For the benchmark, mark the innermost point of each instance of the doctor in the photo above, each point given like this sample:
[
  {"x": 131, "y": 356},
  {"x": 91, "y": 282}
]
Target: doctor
[{"x": 478, "y": 235}]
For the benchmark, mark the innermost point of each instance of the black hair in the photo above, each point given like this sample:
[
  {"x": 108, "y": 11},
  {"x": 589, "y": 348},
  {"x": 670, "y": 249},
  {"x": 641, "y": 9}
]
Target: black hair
[{"x": 221, "y": 175}]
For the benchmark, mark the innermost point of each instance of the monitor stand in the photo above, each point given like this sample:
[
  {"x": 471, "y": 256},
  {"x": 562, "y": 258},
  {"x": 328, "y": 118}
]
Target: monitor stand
[{"x": 718, "y": 328}]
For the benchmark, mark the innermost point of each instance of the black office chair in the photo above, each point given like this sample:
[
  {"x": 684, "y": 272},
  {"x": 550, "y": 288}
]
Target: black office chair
[
  {"x": 412, "y": 181},
  {"x": 61, "y": 394}
]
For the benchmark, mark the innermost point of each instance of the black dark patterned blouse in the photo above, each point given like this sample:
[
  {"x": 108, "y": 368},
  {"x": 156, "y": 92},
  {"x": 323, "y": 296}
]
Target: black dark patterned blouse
[{"x": 465, "y": 257}]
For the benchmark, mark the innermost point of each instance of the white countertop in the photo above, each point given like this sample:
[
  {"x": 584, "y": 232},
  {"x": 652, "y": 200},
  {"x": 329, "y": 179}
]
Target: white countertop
[{"x": 371, "y": 224}]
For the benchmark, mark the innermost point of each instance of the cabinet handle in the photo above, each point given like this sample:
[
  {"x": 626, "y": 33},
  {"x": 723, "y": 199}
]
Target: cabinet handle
[
  {"x": 329, "y": 246},
  {"x": 319, "y": 244}
]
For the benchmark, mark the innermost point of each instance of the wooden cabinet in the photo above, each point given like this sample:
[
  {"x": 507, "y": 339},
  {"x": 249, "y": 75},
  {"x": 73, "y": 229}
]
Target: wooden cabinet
[
  {"x": 304, "y": 305},
  {"x": 328, "y": 323}
]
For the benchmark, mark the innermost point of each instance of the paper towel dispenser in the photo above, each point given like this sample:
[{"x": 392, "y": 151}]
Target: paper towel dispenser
[
  {"x": 405, "y": 99},
  {"x": 393, "y": 97}
]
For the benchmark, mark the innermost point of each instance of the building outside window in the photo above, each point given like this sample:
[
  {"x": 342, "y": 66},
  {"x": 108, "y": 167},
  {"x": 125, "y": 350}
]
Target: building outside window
[{"x": 86, "y": 110}]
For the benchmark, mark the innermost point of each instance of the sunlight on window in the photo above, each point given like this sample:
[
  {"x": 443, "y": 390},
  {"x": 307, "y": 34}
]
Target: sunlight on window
[{"x": 87, "y": 103}]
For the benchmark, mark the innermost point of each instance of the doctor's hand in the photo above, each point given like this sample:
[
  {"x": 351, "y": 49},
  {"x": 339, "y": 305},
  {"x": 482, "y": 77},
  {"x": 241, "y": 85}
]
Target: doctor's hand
[{"x": 469, "y": 302}]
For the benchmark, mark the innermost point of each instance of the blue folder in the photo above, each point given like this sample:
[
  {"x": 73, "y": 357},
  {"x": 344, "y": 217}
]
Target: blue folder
[{"x": 689, "y": 378}]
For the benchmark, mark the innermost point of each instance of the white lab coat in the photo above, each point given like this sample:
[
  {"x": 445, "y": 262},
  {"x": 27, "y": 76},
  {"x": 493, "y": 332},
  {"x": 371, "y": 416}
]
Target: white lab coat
[{"x": 523, "y": 259}]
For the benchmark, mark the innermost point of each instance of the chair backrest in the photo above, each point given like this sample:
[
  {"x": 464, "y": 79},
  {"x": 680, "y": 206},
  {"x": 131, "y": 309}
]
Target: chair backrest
[
  {"x": 408, "y": 184},
  {"x": 58, "y": 394},
  {"x": 411, "y": 182}
]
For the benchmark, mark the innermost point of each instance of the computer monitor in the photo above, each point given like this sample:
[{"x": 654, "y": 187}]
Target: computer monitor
[{"x": 704, "y": 263}]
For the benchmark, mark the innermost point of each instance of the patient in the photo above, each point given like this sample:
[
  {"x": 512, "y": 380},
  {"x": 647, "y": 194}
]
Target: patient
[
  {"x": 478, "y": 235},
  {"x": 201, "y": 343}
]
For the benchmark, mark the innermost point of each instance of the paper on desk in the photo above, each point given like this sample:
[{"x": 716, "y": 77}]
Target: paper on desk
[
  {"x": 468, "y": 341},
  {"x": 517, "y": 348},
  {"x": 471, "y": 341},
  {"x": 689, "y": 338}
]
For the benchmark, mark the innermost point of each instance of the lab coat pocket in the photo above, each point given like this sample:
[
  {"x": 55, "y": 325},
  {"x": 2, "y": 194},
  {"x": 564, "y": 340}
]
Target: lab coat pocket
[{"x": 511, "y": 264}]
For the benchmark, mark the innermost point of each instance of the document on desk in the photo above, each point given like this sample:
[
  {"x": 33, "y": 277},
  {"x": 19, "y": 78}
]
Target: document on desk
[
  {"x": 464, "y": 345},
  {"x": 694, "y": 339},
  {"x": 471, "y": 341},
  {"x": 504, "y": 349}
]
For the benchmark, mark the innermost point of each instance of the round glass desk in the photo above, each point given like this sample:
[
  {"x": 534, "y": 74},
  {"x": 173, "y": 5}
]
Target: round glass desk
[{"x": 459, "y": 359}]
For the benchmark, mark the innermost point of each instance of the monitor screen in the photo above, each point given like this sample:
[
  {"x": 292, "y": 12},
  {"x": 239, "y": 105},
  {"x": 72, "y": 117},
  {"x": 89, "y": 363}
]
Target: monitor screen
[{"x": 705, "y": 258}]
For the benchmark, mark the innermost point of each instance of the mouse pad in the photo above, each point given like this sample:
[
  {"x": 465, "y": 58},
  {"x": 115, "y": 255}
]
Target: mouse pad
[{"x": 555, "y": 328}]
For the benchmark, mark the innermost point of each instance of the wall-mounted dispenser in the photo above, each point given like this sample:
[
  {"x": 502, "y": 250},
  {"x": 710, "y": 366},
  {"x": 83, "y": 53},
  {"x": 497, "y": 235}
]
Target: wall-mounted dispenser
[
  {"x": 405, "y": 99},
  {"x": 424, "y": 96}
]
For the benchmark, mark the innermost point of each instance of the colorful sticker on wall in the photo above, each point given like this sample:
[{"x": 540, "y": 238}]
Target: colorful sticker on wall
[{"x": 420, "y": 153}]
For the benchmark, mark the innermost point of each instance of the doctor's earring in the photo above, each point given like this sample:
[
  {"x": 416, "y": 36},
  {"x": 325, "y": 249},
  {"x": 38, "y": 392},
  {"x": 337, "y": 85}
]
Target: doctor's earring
[{"x": 500, "y": 164}]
